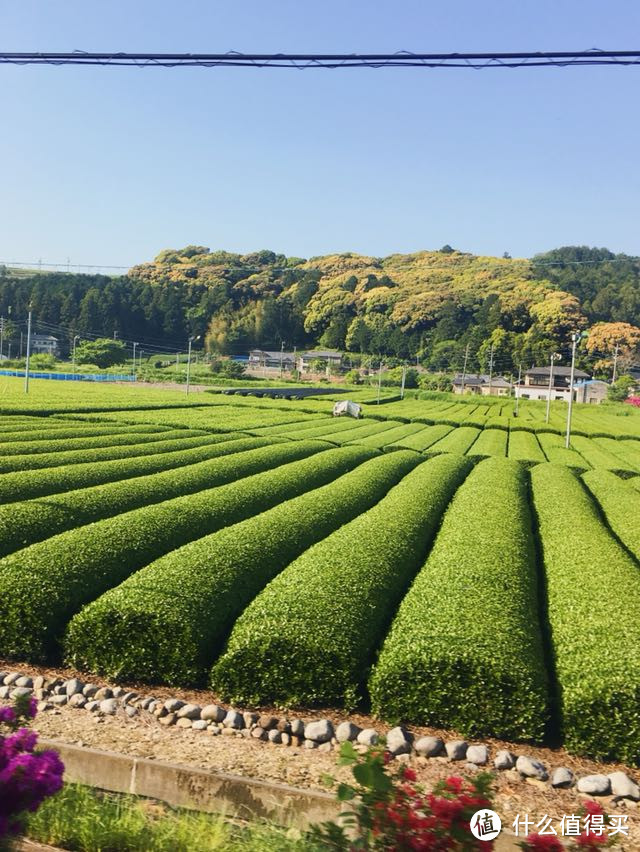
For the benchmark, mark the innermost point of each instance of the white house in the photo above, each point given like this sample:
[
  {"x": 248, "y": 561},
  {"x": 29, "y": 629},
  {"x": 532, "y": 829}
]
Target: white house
[
  {"x": 481, "y": 385},
  {"x": 536, "y": 383},
  {"x": 268, "y": 358},
  {"x": 44, "y": 343},
  {"x": 332, "y": 358}
]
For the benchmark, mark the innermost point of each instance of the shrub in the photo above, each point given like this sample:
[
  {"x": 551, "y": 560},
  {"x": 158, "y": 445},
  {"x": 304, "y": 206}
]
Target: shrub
[
  {"x": 593, "y": 604},
  {"x": 490, "y": 442},
  {"x": 465, "y": 648},
  {"x": 146, "y": 458},
  {"x": 626, "y": 450},
  {"x": 30, "y": 521},
  {"x": 358, "y": 432},
  {"x": 524, "y": 447},
  {"x": 121, "y": 447},
  {"x": 458, "y": 441},
  {"x": 423, "y": 439},
  {"x": 598, "y": 457},
  {"x": 50, "y": 445},
  {"x": 50, "y": 430},
  {"x": 620, "y": 504},
  {"x": 554, "y": 449},
  {"x": 316, "y": 647},
  {"x": 382, "y": 438},
  {"x": 169, "y": 620},
  {"x": 42, "y": 586}
]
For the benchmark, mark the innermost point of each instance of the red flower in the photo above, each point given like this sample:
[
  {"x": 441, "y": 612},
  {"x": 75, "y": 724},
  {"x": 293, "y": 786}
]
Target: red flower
[
  {"x": 543, "y": 843},
  {"x": 454, "y": 784},
  {"x": 593, "y": 808},
  {"x": 408, "y": 774}
]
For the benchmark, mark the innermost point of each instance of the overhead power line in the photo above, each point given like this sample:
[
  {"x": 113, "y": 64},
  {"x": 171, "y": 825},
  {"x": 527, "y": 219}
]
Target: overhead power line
[{"x": 302, "y": 61}]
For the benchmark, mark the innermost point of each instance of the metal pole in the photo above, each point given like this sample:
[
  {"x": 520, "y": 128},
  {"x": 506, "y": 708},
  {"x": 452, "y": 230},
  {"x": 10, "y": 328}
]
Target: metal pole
[
  {"x": 26, "y": 366},
  {"x": 546, "y": 419},
  {"x": 295, "y": 363},
  {"x": 491, "y": 370},
  {"x": 1, "y": 336},
  {"x": 379, "y": 382},
  {"x": 515, "y": 414},
  {"x": 464, "y": 369},
  {"x": 404, "y": 375},
  {"x": 73, "y": 362},
  {"x": 188, "y": 365},
  {"x": 133, "y": 366},
  {"x": 281, "y": 353},
  {"x": 574, "y": 341},
  {"x": 615, "y": 361}
]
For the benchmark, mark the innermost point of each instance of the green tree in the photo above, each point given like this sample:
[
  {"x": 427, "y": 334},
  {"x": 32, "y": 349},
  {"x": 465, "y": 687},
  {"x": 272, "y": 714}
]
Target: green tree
[
  {"x": 621, "y": 389},
  {"x": 103, "y": 352}
]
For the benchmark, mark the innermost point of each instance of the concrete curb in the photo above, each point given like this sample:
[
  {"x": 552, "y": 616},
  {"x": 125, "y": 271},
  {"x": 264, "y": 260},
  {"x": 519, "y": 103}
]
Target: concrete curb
[{"x": 199, "y": 789}]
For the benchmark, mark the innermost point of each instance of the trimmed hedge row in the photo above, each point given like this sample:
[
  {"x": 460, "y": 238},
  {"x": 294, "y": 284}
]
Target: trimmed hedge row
[
  {"x": 620, "y": 504},
  {"x": 57, "y": 431},
  {"x": 371, "y": 427},
  {"x": 555, "y": 451},
  {"x": 524, "y": 447},
  {"x": 377, "y": 440},
  {"x": 24, "y": 485},
  {"x": 625, "y": 449},
  {"x": 337, "y": 426},
  {"x": 35, "y": 461},
  {"x": 25, "y": 523},
  {"x": 459, "y": 441},
  {"x": 597, "y": 456},
  {"x": 316, "y": 646},
  {"x": 490, "y": 442},
  {"x": 423, "y": 439},
  {"x": 88, "y": 442},
  {"x": 300, "y": 425},
  {"x": 593, "y": 601},
  {"x": 43, "y": 585},
  {"x": 168, "y": 621},
  {"x": 465, "y": 649}
]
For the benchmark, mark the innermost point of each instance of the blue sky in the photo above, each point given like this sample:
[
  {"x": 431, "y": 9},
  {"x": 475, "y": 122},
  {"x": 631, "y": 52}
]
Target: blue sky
[{"x": 109, "y": 166}]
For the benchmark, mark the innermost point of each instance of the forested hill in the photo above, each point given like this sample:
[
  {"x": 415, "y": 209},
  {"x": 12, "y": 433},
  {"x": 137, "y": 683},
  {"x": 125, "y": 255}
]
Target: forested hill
[{"x": 430, "y": 304}]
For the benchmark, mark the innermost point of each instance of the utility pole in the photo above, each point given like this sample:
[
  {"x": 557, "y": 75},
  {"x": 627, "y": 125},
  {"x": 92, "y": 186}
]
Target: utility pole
[
  {"x": 464, "y": 368},
  {"x": 515, "y": 413},
  {"x": 404, "y": 376},
  {"x": 133, "y": 366},
  {"x": 491, "y": 369},
  {"x": 26, "y": 366},
  {"x": 295, "y": 362},
  {"x": 177, "y": 362},
  {"x": 1, "y": 336},
  {"x": 191, "y": 339},
  {"x": 73, "y": 362},
  {"x": 615, "y": 361},
  {"x": 140, "y": 358},
  {"x": 281, "y": 356},
  {"x": 379, "y": 381},
  {"x": 575, "y": 337},
  {"x": 552, "y": 359}
]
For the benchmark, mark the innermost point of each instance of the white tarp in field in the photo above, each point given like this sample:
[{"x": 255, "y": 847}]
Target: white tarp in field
[{"x": 345, "y": 406}]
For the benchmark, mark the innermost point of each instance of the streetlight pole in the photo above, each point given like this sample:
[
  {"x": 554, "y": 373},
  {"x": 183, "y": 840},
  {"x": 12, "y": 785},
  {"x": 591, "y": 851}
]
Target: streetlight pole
[
  {"x": 191, "y": 339},
  {"x": 404, "y": 375},
  {"x": 491, "y": 370},
  {"x": 379, "y": 381},
  {"x": 518, "y": 389},
  {"x": 73, "y": 361},
  {"x": 615, "y": 361},
  {"x": 133, "y": 366},
  {"x": 281, "y": 356},
  {"x": 26, "y": 365},
  {"x": 464, "y": 369},
  {"x": 575, "y": 337}
]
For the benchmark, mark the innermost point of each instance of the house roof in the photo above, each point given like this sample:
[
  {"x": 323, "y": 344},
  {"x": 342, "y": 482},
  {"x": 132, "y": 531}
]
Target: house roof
[
  {"x": 273, "y": 354},
  {"x": 44, "y": 337},
  {"x": 557, "y": 371},
  {"x": 471, "y": 379},
  {"x": 321, "y": 353}
]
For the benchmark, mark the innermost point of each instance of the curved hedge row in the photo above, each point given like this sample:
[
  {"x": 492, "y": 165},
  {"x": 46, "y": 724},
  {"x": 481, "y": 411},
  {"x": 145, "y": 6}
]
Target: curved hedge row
[
  {"x": 598, "y": 457},
  {"x": 490, "y": 442},
  {"x": 24, "y": 485},
  {"x": 12, "y": 464},
  {"x": 553, "y": 447},
  {"x": 8, "y": 452},
  {"x": 167, "y": 622},
  {"x": 465, "y": 649},
  {"x": 423, "y": 439},
  {"x": 315, "y": 647},
  {"x": 593, "y": 599},
  {"x": 378, "y": 440},
  {"x": 627, "y": 450},
  {"x": 55, "y": 431},
  {"x": 27, "y": 522},
  {"x": 371, "y": 427},
  {"x": 459, "y": 441},
  {"x": 42, "y": 586},
  {"x": 524, "y": 447},
  {"x": 620, "y": 504}
]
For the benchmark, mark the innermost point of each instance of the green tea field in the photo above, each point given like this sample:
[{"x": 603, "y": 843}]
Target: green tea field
[{"x": 441, "y": 562}]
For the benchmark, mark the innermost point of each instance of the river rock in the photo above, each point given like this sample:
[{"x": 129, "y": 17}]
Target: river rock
[
  {"x": 172, "y": 705},
  {"x": 77, "y": 700},
  {"x": 347, "y": 731},
  {"x": 368, "y": 737},
  {"x": 531, "y": 768},
  {"x": 74, "y": 687},
  {"x": 319, "y": 732},
  {"x": 429, "y": 746},
  {"x": 266, "y": 722},
  {"x": 103, "y": 693},
  {"x": 623, "y": 786},
  {"x": 274, "y": 736},
  {"x": 233, "y": 720},
  {"x": 109, "y": 706},
  {"x": 213, "y": 713},
  {"x": 399, "y": 741},
  {"x": 478, "y": 755},
  {"x": 562, "y": 778},
  {"x": 25, "y": 680},
  {"x": 189, "y": 711},
  {"x": 297, "y": 728},
  {"x": 504, "y": 760},
  {"x": 595, "y": 785},
  {"x": 456, "y": 749}
]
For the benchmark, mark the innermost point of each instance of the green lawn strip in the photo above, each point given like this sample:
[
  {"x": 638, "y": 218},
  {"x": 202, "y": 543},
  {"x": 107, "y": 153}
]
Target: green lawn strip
[
  {"x": 422, "y": 440},
  {"x": 29, "y": 521},
  {"x": 598, "y": 457},
  {"x": 309, "y": 637},
  {"x": 524, "y": 447},
  {"x": 381, "y": 439},
  {"x": 459, "y": 441},
  {"x": 168, "y": 622},
  {"x": 553, "y": 446},
  {"x": 465, "y": 649},
  {"x": 490, "y": 442},
  {"x": 43, "y": 585},
  {"x": 593, "y": 599},
  {"x": 620, "y": 504},
  {"x": 136, "y": 445},
  {"x": 142, "y": 459},
  {"x": 87, "y": 442}
]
